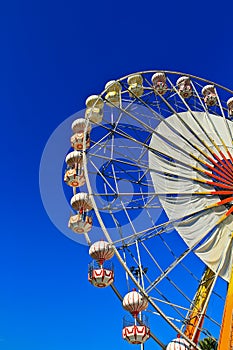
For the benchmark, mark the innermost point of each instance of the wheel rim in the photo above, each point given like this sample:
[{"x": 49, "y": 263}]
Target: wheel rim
[{"x": 116, "y": 162}]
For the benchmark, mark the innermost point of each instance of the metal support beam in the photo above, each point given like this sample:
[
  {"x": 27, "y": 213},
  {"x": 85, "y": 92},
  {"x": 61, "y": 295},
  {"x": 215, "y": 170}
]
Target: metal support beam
[{"x": 226, "y": 334}]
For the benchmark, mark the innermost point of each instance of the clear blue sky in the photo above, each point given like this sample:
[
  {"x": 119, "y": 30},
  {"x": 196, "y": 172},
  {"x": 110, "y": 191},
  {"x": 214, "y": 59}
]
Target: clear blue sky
[{"x": 53, "y": 55}]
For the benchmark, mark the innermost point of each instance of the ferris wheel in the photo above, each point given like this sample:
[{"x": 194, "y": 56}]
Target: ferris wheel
[{"x": 151, "y": 169}]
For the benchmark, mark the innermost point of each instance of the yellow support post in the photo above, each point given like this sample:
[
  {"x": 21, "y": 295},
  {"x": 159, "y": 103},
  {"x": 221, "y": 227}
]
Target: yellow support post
[
  {"x": 226, "y": 334},
  {"x": 197, "y": 313}
]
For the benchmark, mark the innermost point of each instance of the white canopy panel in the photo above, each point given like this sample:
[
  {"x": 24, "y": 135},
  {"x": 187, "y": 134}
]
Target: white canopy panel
[{"x": 181, "y": 144}]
